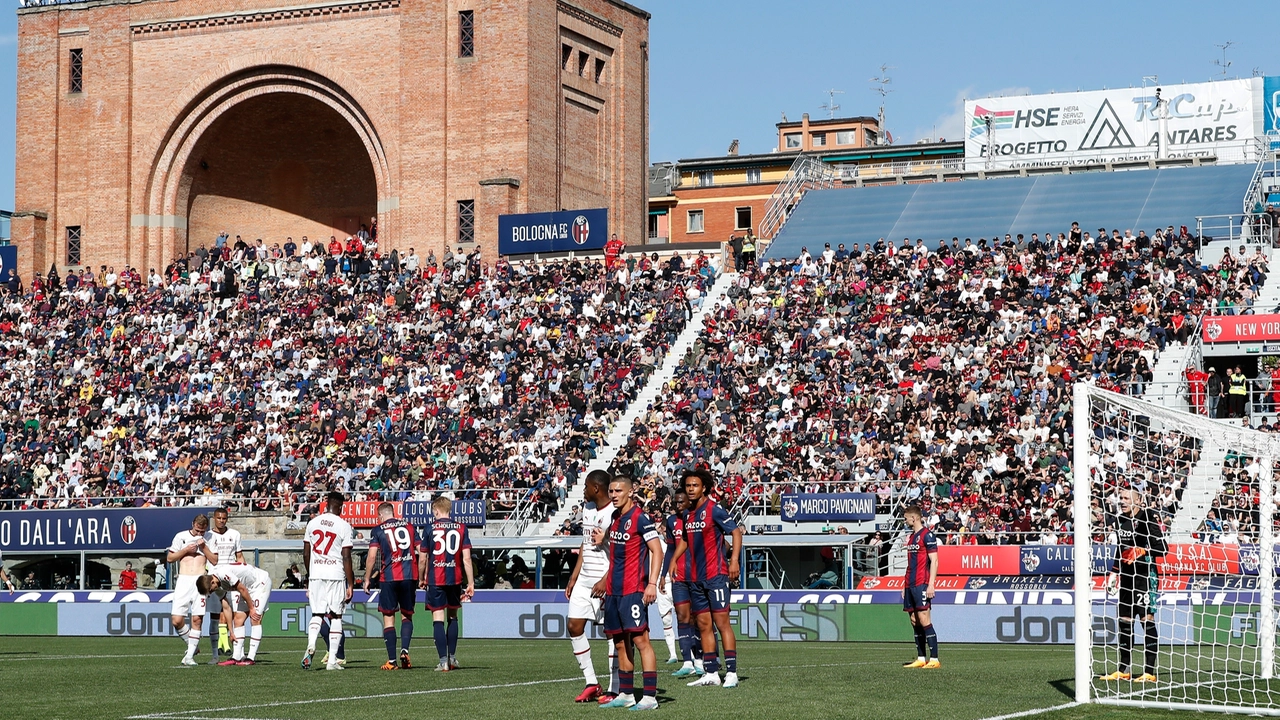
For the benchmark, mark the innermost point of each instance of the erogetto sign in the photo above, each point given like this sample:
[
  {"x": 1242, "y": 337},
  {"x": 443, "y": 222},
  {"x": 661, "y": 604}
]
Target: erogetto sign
[
  {"x": 1204, "y": 119},
  {"x": 565, "y": 231}
]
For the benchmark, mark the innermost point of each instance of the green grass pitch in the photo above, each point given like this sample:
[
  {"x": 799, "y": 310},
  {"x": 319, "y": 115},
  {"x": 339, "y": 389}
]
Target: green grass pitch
[{"x": 94, "y": 678}]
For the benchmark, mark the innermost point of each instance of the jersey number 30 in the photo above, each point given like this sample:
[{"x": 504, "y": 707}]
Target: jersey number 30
[{"x": 445, "y": 541}]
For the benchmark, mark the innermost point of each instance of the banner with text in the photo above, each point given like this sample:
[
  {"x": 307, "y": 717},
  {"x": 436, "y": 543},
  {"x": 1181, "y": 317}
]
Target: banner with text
[
  {"x": 1271, "y": 104},
  {"x": 135, "y": 529},
  {"x": 9, "y": 261},
  {"x": 564, "y": 231},
  {"x": 845, "y": 507},
  {"x": 1075, "y": 128},
  {"x": 1241, "y": 328}
]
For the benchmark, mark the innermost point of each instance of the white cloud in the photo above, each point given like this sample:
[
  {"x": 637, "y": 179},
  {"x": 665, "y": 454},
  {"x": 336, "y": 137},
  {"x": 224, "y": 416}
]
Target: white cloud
[{"x": 950, "y": 125}]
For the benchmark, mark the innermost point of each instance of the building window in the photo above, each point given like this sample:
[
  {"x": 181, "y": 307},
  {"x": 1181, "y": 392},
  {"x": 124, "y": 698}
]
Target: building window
[
  {"x": 742, "y": 218},
  {"x": 847, "y": 137},
  {"x": 695, "y": 221},
  {"x": 599, "y": 69},
  {"x": 583, "y": 59},
  {"x": 872, "y": 138},
  {"x": 753, "y": 175},
  {"x": 466, "y": 33},
  {"x": 566, "y": 56},
  {"x": 706, "y": 178},
  {"x": 466, "y": 221},
  {"x": 73, "y": 245},
  {"x": 77, "y": 71},
  {"x": 791, "y": 140},
  {"x": 819, "y": 139},
  {"x": 653, "y": 226}
]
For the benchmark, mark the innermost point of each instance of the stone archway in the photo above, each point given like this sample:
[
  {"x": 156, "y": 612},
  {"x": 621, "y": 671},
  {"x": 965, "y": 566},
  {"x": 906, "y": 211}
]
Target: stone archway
[{"x": 266, "y": 152}]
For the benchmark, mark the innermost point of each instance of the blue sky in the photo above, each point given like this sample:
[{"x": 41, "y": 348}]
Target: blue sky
[{"x": 725, "y": 69}]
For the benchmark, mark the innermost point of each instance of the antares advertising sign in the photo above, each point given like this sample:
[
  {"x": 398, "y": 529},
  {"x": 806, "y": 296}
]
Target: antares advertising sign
[
  {"x": 564, "y": 231},
  {"x": 1241, "y": 328},
  {"x": 137, "y": 529},
  {"x": 1204, "y": 119}
]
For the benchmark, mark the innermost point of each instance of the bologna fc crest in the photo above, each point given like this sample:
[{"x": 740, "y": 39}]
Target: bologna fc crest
[
  {"x": 128, "y": 530},
  {"x": 1212, "y": 329},
  {"x": 581, "y": 229}
]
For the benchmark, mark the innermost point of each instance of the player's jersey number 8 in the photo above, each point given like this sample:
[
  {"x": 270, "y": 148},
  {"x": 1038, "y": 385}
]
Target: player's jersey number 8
[{"x": 446, "y": 542}]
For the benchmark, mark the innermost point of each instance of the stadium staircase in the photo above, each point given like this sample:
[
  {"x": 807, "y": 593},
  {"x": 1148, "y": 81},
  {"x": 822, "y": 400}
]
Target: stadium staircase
[
  {"x": 1167, "y": 387},
  {"x": 621, "y": 432},
  {"x": 1203, "y": 486}
]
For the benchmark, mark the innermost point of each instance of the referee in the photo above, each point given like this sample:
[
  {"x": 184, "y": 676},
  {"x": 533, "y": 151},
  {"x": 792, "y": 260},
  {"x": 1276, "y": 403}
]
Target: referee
[{"x": 1139, "y": 542}]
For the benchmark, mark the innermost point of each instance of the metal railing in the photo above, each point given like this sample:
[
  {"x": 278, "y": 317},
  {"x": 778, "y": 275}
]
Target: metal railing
[
  {"x": 850, "y": 171},
  {"x": 1252, "y": 230},
  {"x": 806, "y": 174},
  {"x": 1268, "y": 169}
]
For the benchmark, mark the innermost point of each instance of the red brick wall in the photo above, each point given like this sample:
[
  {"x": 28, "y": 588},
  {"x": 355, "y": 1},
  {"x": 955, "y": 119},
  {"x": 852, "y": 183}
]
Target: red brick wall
[
  {"x": 122, "y": 158},
  {"x": 719, "y": 206}
]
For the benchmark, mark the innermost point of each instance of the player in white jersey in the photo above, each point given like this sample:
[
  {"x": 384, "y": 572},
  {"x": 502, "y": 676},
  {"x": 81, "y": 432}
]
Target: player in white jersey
[
  {"x": 191, "y": 550},
  {"x": 326, "y": 549},
  {"x": 666, "y": 605},
  {"x": 225, "y": 541},
  {"x": 593, "y": 563},
  {"x": 253, "y": 588}
]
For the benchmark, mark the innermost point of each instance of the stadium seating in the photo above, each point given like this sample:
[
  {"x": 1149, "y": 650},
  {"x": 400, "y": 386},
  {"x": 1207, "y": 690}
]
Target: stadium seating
[
  {"x": 263, "y": 381},
  {"x": 990, "y": 208}
]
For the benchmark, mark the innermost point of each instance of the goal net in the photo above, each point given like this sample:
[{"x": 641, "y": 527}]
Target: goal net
[{"x": 1200, "y": 618}]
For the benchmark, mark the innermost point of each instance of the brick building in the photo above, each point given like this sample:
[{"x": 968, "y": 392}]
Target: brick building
[{"x": 146, "y": 127}]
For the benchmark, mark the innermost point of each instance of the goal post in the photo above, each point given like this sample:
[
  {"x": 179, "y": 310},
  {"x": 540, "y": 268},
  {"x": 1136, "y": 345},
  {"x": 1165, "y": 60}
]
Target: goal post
[{"x": 1211, "y": 643}]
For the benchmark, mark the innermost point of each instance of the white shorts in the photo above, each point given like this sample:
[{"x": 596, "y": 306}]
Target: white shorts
[
  {"x": 186, "y": 600},
  {"x": 327, "y": 597},
  {"x": 665, "y": 603},
  {"x": 258, "y": 596},
  {"x": 584, "y": 607}
]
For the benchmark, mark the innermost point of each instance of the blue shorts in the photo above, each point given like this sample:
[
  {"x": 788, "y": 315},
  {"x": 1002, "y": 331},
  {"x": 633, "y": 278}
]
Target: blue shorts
[
  {"x": 709, "y": 595},
  {"x": 398, "y": 596},
  {"x": 913, "y": 599},
  {"x": 679, "y": 592},
  {"x": 444, "y": 597},
  {"x": 625, "y": 614}
]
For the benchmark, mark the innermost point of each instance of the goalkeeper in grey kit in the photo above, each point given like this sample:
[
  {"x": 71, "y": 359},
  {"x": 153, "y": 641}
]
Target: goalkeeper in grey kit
[{"x": 1139, "y": 542}]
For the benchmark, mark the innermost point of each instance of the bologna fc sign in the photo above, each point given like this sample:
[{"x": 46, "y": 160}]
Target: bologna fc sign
[
  {"x": 140, "y": 529},
  {"x": 565, "y": 231}
]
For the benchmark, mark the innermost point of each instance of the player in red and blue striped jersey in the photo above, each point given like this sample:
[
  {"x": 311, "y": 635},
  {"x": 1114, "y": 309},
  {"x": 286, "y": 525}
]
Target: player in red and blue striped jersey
[
  {"x": 448, "y": 550},
  {"x": 673, "y": 572},
  {"x": 628, "y": 588},
  {"x": 702, "y": 553},
  {"x": 918, "y": 587},
  {"x": 395, "y": 542}
]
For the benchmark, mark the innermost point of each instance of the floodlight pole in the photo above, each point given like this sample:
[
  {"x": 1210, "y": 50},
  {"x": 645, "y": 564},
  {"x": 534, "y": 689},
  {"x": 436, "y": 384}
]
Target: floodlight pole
[{"x": 990, "y": 121}]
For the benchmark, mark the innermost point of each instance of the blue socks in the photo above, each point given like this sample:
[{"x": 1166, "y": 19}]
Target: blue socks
[
  {"x": 685, "y": 635},
  {"x": 731, "y": 661},
  {"x": 437, "y": 629},
  {"x": 710, "y": 662},
  {"x": 920, "y": 642},
  {"x": 453, "y": 636},
  {"x": 406, "y": 633},
  {"x": 931, "y": 637},
  {"x": 389, "y": 637}
]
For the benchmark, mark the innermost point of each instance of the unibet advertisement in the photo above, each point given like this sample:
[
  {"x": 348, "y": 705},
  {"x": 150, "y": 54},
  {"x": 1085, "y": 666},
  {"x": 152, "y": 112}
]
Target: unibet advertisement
[{"x": 1077, "y": 128}]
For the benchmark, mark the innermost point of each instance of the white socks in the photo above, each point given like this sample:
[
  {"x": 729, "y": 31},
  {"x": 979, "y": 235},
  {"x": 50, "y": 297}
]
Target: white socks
[
  {"x": 313, "y": 632},
  {"x": 669, "y": 636},
  {"x": 237, "y": 648},
  {"x": 335, "y": 637},
  {"x": 255, "y": 637},
  {"x": 582, "y": 653},
  {"x": 614, "y": 686},
  {"x": 193, "y": 641}
]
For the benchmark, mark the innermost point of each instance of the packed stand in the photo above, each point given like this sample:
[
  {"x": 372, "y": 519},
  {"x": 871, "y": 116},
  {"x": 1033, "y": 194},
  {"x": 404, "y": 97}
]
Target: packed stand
[
  {"x": 264, "y": 376},
  {"x": 935, "y": 377}
]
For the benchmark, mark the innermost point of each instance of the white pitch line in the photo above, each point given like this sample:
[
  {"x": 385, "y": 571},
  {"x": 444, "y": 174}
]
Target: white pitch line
[
  {"x": 1029, "y": 713},
  {"x": 84, "y": 657},
  {"x": 283, "y": 703}
]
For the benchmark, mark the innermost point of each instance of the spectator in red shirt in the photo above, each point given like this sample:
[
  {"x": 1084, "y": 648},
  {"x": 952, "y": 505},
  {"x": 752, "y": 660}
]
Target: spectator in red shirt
[{"x": 128, "y": 577}]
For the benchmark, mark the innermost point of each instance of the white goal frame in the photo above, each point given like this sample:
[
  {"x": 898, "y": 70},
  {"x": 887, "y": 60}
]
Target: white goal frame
[{"x": 1227, "y": 434}]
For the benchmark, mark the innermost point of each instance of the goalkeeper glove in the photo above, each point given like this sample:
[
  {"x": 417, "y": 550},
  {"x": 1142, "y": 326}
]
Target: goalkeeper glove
[
  {"x": 1130, "y": 555},
  {"x": 224, "y": 642},
  {"x": 1113, "y": 584}
]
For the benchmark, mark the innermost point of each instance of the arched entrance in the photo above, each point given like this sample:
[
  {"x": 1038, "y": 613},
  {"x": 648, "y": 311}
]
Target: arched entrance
[
  {"x": 274, "y": 166},
  {"x": 269, "y": 151}
]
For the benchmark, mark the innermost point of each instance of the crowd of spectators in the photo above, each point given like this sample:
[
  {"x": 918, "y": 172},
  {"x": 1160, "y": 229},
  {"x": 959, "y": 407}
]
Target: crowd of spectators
[
  {"x": 939, "y": 377},
  {"x": 262, "y": 376}
]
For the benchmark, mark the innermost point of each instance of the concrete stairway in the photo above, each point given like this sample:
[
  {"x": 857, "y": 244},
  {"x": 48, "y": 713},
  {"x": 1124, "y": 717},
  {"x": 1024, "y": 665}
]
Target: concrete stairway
[
  {"x": 1166, "y": 387},
  {"x": 621, "y": 432},
  {"x": 1203, "y": 486}
]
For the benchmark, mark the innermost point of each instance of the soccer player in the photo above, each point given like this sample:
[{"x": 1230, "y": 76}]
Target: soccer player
[
  {"x": 253, "y": 588},
  {"x": 666, "y": 604},
  {"x": 630, "y": 586},
  {"x": 673, "y": 578},
  {"x": 1139, "y": 542},
  {"x": 448, "y": 551},
  {"x": 918, "y": 587},
  {"x": 702, "y": 552},
  {"x": 592, "y": 564},
  {"x": 395, "y": 541},
  {"x": 191, "y": 550},
  {"x": 326, "y": 550},
  {"x": 225, "y": 541}
]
